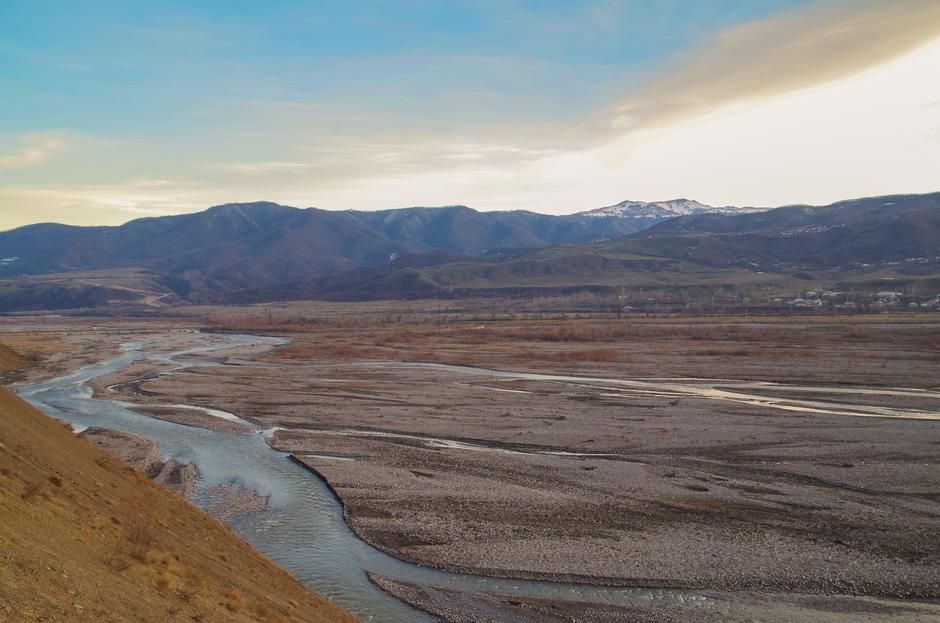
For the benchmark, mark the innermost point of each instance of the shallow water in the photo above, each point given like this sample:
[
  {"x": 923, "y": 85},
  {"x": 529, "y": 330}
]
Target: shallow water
[
  {"x": 722, "y": 389},
  {"x": 304, "y": 529}
]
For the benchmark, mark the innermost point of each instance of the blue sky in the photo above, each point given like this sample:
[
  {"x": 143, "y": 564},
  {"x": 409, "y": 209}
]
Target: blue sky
[
  {"x": 179, "y": 103},
  {"x": 113, "y": 67}
]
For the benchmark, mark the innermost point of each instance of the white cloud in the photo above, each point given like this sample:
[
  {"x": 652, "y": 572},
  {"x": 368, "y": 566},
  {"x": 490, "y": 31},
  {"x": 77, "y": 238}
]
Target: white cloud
[
  {"x": 96, "y": 204},
  {"x": 784, "y": 53},
  {"x": 870, "y": 134},
  {"x": 812, "y": 105},
  {"x": 264, "y": 167},
  {"x": 691, "y": 131},
  {"x": 33, "y": 149}
]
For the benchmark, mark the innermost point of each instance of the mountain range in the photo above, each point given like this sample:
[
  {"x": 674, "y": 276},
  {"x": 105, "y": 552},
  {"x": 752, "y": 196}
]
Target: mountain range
[
  {"x": 262, "y": 241},
  {"x": 264, "y": 251}
]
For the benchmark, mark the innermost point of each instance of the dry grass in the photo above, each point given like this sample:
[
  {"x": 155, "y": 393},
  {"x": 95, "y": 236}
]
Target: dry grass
[
  {"x": 564, "y": 356},
  {"x": 625, "y": 344},
  {"x": 10, "y": 360},
  {"x": 78, "y": 522},
  {"x": 39, "y": 489},
  {"x": 241, "y": 324},
  {"x": 141, "y": 538},
  {"x": 35, "y": 346},
  {"x": 579, "y": 331},
  {"x": 326, "y": 350},
  {"x": 892, "y": 351}
]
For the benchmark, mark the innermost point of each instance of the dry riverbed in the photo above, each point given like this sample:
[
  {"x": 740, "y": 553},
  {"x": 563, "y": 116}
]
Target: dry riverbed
[
  {"x": 596, "y": 481},
  {"x": 461, "y": 607}
]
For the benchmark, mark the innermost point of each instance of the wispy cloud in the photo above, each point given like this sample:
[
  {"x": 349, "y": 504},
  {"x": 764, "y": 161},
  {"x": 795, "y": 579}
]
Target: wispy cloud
[
  {"x": 32, "y": 149},
  {"x": 498, "y": 131},
  {"x": 789, "y": 51},
  {"x": 264, "y": 167},
  {"x": 93, "y": 204},
  {"x": 752, "y": 62}
]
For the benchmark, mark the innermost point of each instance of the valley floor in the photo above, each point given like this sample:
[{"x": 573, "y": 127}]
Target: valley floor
[{"x": 754, "y": 458}]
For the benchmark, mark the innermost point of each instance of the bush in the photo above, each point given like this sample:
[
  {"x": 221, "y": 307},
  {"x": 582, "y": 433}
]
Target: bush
[{"x": 140, "y": 538}]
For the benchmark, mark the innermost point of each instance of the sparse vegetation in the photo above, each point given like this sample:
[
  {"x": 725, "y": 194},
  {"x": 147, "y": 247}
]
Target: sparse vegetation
[
  {"x": 628, "y": 345},
  {"x": 140, "y": 538},
  {"x": 563, "y": 356},
  {"x": 38, "y": 489},
  {"x": 114, "y": 550}
]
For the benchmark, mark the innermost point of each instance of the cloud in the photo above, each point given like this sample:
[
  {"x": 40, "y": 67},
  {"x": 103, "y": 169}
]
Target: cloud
[
  {"x": 790, "y": 51},
  {"x": 872, "y": 133},
  {"x": 700, "y": 126},
  {"x": 745, "y": 65},
  {"x": 34, "y": 149},
  {"x": 264, "y": 167},
  {"x": 97, "y": 204}
]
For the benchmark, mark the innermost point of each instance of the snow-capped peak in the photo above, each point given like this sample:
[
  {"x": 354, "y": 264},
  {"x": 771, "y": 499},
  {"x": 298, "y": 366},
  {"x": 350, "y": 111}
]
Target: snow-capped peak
[{"x": 655, "y": 209}]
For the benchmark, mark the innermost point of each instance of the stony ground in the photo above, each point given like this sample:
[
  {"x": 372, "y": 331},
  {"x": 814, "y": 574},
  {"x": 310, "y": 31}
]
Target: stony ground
[
  {"x": 583, "y": 480},
  {"x": 144, "y": 455},
  {"x": 460, "y": 607},
  {"x": 576, "y": 480}
]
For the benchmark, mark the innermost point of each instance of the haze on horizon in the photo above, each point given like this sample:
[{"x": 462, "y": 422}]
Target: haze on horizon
[{"x": 121, "y": 110}]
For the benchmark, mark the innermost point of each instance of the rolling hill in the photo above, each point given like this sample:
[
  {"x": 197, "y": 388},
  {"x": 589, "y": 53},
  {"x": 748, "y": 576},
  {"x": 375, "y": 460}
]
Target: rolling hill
[
  {"x": 864, "y": 231},
  {"x": 264, "y": 251},
  {"x": 248, "y": 246},
  {"x": 848, "y": 242}
]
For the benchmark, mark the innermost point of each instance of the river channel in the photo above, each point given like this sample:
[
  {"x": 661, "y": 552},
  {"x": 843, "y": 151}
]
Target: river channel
[{"x": 303, "y": 530}]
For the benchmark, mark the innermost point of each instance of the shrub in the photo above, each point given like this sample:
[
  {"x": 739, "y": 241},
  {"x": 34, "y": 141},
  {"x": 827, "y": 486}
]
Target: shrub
[
  {"x": 39, "y": 489},
  {"x": 140, "y": 538}
]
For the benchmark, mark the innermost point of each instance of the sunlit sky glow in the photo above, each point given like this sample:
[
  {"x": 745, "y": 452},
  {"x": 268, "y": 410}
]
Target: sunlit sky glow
[{"x": 115, "y": 110}]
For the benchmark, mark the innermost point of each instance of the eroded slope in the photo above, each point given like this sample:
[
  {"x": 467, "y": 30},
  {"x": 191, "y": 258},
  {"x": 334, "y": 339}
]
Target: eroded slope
[{"x": 85, "y": 538}]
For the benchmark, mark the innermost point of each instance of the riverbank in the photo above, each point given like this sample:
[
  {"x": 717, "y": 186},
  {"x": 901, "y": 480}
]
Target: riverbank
[
  {"x": 451, "y": 606},
  {"x": 86, "y": 538}
]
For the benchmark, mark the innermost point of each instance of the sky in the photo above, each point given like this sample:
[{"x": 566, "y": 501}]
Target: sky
[{"x": 116, "y": 110}]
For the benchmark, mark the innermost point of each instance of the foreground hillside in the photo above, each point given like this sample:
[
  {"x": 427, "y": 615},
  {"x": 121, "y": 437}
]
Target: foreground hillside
[
  {"x": 85, "y": 538},
  {"x": 9, "y": 360}
]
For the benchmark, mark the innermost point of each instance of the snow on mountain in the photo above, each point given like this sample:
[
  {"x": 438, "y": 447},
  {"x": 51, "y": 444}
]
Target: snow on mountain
[{"x": 661, "y": 209}]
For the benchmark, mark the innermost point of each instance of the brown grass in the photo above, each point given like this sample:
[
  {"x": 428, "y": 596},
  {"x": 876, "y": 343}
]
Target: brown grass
[
  {"x": 37, "y": 490},
  {"x": 104, "y": 521},
  {"x": 36, "y": 346},
  {"x": 595, "y": 354},
  {"x": 10, "y": 360},
  {"x": 141, "y": 538},
  {"x": 326, "y": 350},
  {"x": 632, "y": 346},
  {"x": 611, "y": 331}
]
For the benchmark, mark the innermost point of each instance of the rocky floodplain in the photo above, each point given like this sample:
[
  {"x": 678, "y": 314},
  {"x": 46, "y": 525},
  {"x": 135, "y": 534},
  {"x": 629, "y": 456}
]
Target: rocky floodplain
[{"x": 618, "y": 461}]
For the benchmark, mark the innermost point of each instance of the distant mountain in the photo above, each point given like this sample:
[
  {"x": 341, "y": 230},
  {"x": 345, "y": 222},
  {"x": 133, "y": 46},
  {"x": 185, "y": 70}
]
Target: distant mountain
[
  {"x": 226, "y": 246},
  {"x": 256, "y": 245},
  {"x": 656, "y": 211},
  {"x": 264, "y": 251},
  {"x": 861, "y": 241},
  {"x": 459, "y": 229},
  {"x": 874, "y": 230}
]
